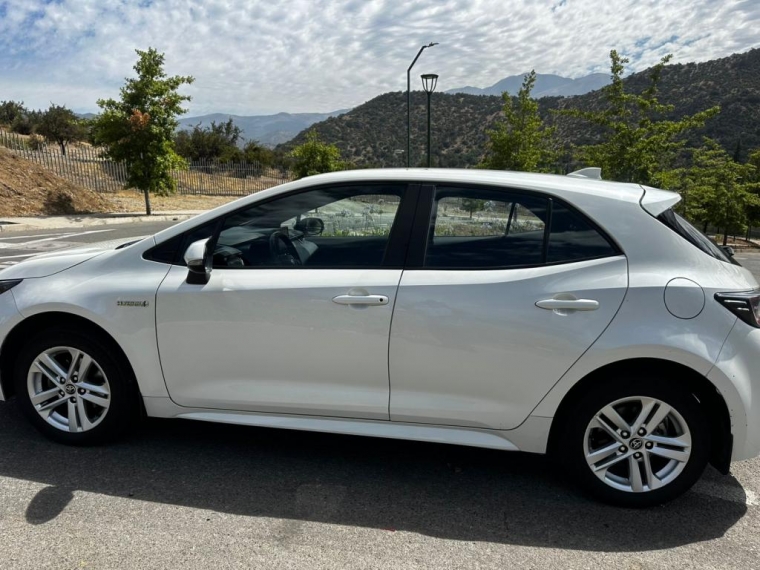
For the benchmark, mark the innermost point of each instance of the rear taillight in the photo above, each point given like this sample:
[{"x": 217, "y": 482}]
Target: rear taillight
[{"x": 745, "y": 305}]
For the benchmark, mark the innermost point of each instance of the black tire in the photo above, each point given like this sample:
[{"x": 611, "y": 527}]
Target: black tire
[
  {"x": 123, "y": 408},
  {"x": 572, "y": 455}
]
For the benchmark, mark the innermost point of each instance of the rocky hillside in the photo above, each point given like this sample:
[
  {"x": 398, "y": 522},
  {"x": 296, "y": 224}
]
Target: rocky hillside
[{"x": 374, "y": 134}]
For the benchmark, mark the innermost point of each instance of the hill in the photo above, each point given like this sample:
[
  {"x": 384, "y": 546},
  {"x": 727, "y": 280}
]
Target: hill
[
  {"x": 547, "y": 85},
  {"x": 27, "y": 189},
  {"x": 269, "y": 130},
  {"x": 372, "y": 134}
]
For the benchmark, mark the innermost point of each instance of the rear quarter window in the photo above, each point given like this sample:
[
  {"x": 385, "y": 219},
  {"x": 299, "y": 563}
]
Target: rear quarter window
[{"x": 693, "y": 236}]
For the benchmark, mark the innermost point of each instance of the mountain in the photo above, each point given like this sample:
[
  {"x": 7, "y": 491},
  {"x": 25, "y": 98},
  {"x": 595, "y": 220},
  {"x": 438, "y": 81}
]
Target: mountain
[
  {"x": 269, "y": 130},
  {"x": 374, "y": 134},
  {"x": 547, "y": 85}
]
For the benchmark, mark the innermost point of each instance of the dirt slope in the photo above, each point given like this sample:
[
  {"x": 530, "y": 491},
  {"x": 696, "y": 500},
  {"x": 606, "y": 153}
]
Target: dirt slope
[{"x": 27, "y": 189}]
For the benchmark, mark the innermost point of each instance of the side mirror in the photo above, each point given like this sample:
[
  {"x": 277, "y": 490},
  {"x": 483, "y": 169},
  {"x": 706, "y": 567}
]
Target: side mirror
[
  {"x": 198, "y": 263},
  {"x": 310, "y": 226},
  {"x": 728, "y": 250}
]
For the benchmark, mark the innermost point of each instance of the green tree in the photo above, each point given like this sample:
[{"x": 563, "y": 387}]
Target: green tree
[
  {"x": 638, "y": 143},
  {"x": 472, "y": 205},
  {"x": 218, "y": 142},
  {"x": 139, "y": 128},
  {"x": 61, "y": 126},
  {"x": 717, "y": 190},
  {"x": 10, "y": 111},
  {"x": 520, "y": 141},
  {"x": 753, "y": 210},
  {"x": 315, "y": 157},
  {"x": 25, "y": 122},
  {"x": 253, "y": 151}
]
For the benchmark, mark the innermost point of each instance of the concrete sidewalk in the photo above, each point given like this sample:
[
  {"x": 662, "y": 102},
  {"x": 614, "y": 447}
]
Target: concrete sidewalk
[{"x": 88, "y": 220}]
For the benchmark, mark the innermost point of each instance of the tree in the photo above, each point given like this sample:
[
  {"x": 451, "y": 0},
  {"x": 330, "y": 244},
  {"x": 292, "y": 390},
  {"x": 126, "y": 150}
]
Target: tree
[
  {"x": 25, "y": 121},
  {"x": 10, "y": 111},
  {"x": 472, "y": 205},
  {"x": 315, "y": 157},
  {"x": 520, "y": 141},
  {"x": 638, "y": 143},
  {"x": 253, "y": 151},
  {"x": 61, "y": 126},
  {"x": 217, "y": 142},
  {"x": 717, "y": 190},
  {"x": 139, "y": 128},
  {"x": 753, "y": 210}
]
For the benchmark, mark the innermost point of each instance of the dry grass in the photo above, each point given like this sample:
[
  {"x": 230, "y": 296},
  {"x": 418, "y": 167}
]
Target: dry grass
[
  {"x": 27, "y": 189},
  {"x": 133, "y": 201}
]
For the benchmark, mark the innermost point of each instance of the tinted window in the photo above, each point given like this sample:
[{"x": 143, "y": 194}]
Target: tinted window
[
  {"x": 320, "y": 228},
  {"x": 481, "y": 228},
  {"x": 693, "y": 235},
  {"x": 573, "y": 238}
]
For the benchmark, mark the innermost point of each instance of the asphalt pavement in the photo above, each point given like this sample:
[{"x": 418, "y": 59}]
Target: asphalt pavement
[
  {"x": 181, "y": 494},
  {"x": 15, "y": 246}
]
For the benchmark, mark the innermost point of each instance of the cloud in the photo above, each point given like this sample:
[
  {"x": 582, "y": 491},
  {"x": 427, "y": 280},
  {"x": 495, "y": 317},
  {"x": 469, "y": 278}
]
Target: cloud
[{"x": 261, "y": 56}]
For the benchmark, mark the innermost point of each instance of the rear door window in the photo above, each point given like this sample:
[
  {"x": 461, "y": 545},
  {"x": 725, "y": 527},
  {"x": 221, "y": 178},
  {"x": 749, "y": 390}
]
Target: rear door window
[
  {"x": 490, "y": 228},
  {"x": 480, "y": 228}
]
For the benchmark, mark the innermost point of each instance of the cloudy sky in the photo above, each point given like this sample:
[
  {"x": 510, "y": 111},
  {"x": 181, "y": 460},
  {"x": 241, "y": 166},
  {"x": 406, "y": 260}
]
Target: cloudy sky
[{"x": 266, "y": 56}]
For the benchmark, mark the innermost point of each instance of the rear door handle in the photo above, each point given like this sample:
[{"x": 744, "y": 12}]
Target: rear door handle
[
  {"x": 364, "y": 300},
  {"x": 568, "y": 304}
]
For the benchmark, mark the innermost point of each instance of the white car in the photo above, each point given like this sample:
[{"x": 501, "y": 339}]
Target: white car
[{"x": 529, "y": 312}]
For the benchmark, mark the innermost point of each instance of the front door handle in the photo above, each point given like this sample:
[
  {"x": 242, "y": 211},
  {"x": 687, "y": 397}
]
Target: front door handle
[
  {"x": 364, "y": 300},
  {"x": 568, "y": 304}
]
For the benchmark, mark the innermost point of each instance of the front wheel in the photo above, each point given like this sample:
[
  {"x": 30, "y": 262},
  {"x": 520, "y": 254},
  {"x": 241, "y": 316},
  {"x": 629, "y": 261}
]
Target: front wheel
[
  {"x": 73, "y": 389},
  {"x": 636, "y": 443}
]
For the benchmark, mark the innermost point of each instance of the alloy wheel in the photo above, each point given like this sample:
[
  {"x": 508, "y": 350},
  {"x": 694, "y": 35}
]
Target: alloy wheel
[
  {"x": 68, "y": 389},
  {"x": 637, "y": 444}
]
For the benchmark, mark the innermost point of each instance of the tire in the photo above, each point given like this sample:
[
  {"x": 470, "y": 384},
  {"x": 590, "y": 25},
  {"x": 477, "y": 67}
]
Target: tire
[
  {"x": 105, "y": 399},
  {"x": 666, "y": 471}
]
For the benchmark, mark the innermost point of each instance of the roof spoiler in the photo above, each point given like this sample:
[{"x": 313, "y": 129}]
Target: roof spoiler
[
  {"x": 593, "y": 173},
  {"x": 656, "y": 201}
]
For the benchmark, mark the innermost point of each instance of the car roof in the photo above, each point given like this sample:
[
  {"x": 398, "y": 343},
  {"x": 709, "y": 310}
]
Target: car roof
[{"x": 551, "y": 183}]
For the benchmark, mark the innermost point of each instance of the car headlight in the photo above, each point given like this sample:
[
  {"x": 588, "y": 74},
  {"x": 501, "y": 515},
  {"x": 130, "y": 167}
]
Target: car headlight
[{"x": 8, "y": 284}]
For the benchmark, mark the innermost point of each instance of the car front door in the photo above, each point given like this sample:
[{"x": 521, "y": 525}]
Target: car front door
[
  {"x": 506, "y": 292},
  {"x": 296, "y": 313}
]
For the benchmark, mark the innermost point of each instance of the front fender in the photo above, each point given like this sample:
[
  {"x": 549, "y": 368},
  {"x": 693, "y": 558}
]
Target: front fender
[{"x": 119, "y": 298}]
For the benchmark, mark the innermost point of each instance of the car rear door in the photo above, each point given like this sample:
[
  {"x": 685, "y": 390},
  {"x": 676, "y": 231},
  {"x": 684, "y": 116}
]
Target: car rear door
[
  {"x": 299, "y": 339},
  {"x": 502, "y": 293}
]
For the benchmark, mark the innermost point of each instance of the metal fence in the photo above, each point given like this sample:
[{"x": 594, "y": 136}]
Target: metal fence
[{"x": 84, "y": 165}]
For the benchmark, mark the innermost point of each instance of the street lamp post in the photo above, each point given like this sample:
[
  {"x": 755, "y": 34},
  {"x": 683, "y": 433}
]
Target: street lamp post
[
  {"x": 409, "y": 106},
  {"x": 429, "y": 81}
]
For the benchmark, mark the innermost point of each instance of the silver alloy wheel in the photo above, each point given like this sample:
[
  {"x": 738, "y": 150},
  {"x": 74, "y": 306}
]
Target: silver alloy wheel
[
  {"x": 68, "y": 389},
  {"x": 637, "y": 444}
]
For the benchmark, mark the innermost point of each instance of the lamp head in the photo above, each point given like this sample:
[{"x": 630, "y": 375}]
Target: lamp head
[{"x": 429, "y": 82}]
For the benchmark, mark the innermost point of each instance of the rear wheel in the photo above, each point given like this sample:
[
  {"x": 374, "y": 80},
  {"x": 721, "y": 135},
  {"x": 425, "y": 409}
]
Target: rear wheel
[
  {"x": 74, "y": 389},
  {"x": 636, "y": 442}
]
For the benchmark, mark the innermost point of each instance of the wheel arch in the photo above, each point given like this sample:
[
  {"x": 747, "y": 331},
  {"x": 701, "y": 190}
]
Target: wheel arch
[
  {"x": 54, "y": 319},
  {"x": 706, "y": 393}
]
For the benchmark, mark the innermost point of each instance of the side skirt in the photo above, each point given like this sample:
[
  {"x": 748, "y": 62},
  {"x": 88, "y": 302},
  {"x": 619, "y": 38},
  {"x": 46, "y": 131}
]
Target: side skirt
[{"x": 531, "y": 436}]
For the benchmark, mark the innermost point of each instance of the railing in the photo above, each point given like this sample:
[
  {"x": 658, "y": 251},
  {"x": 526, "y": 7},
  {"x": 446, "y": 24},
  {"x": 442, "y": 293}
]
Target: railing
[{"x": 84, "y": 165}]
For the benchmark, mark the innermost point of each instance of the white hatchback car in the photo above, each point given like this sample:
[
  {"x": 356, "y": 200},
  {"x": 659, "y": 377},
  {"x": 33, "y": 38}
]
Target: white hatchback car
[{"x": 512, "y": 311}]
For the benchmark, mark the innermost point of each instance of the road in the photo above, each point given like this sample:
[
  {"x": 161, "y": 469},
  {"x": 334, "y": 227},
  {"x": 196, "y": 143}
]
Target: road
[
  {"x": 182, "y": 494},
  {"x": 15, "y": 246}
]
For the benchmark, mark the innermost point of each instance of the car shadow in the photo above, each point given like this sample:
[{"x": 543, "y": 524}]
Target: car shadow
[{"x": 437, "y": 490}]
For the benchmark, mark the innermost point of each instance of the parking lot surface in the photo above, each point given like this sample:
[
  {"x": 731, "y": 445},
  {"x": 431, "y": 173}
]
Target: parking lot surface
[
  {"x": 15, "y": 246},
  {"x": 181, "y": 494}
]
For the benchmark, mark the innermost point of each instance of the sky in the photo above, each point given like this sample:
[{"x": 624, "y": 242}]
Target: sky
[{"x": 266, "y": 56}]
